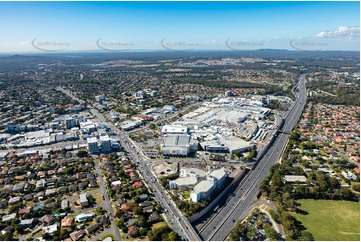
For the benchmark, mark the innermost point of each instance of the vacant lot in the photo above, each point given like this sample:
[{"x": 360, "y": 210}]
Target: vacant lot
[{"x": 330, "y": 220}]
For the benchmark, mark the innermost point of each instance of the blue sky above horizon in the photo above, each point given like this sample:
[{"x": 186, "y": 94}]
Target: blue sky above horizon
[{"x": 35, "y": 26}]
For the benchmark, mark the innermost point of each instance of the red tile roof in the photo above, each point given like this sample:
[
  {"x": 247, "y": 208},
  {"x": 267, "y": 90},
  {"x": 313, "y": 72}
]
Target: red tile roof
[{"x": 137, "y": 184}]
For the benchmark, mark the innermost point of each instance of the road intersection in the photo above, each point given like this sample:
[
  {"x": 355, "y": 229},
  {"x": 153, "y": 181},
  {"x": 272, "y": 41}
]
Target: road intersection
[{"x": 236, "y": 207}]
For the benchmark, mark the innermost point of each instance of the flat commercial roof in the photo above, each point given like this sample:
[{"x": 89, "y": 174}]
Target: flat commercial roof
[
  {"x": 37, "y": 134},
  {"x": 219, "y": 174},
  {"x": 104, "y": 138},
  {"x": 87, "y": 124},
  {"x": 92, "y": 140},
  {"x": 177, "y": 140},
  {"x": 83, "y": 197},
  {"x": 199, "y": 172},
  {"x": 291, "y": 178},
  {"x": 203, "y": 186},
  {"x": 175, "y": 129},
  {"x": 232, "y": 116},
  {"x": 234, "y": 143},
  {"x": 186, "y": 181}
]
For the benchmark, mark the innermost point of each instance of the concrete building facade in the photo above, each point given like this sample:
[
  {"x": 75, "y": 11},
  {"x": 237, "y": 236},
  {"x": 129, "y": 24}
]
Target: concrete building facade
[{"x": 93, "y": 145}]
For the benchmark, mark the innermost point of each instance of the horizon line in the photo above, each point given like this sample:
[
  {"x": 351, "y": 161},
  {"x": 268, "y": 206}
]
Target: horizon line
[{"x": 165, "y": 50}]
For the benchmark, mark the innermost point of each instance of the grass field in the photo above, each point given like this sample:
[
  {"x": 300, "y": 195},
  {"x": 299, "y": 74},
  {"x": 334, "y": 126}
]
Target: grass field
[
  {"x": 98, "y": 198},
  {"x": 108, "y": 235},
  {"x": 330, "y": 220},
  {"x": 159, "y": 224}
]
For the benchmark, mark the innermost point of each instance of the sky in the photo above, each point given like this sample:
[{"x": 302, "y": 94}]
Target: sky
[{"x": 177, "y": 26}]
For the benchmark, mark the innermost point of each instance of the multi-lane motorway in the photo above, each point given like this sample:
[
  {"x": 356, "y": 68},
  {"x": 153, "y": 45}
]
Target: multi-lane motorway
[
  {"x": 244, "y": 195},
  {"x": 237, "y": 205}
]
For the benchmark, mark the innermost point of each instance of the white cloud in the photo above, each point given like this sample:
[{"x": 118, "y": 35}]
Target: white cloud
[{"x": 342, "y": 31}]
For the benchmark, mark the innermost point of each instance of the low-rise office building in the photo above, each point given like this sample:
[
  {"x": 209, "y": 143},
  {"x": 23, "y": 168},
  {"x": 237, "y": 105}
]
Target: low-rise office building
[
  {"x": 202, "y": 191},
  {"x": 235, "y": 144},
  {"x": 83, "y": 200},
  {"x": 93, "y": 145},
  {"x": 106, "y": 143},
  {"x": 183, "y": 183},
  {"x": 218, "y": 177},
  {"x": 174, "y": 129},
  {"x": 179, "y": 145},
  {"x": 205, "y": 188},
  {"x": 192, "y": 172}
]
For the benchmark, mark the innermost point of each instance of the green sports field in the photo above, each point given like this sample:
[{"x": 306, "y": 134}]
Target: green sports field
[{"x": 331, "y": 220}]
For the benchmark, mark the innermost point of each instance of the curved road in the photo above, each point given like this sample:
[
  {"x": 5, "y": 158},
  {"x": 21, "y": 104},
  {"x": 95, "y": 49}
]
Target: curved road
[{"x": 237, "y": 207}]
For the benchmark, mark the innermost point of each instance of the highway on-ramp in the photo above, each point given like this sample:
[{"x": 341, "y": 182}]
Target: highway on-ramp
[{"x": 236, "y": 206}]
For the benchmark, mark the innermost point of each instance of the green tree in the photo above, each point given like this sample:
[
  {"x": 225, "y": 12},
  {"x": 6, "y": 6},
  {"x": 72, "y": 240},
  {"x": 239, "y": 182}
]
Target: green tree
[
  {"x": 150, "y": 235},
  {"x": 274, "y": 216},
  {"x": 82, "y": 153},
  {"x": 91, "y": 199},
  {"x": 251, "y": 233},
  {"x": 125, "y": 229},
  {"x": 270, "y": 232},
  {"x": 277, "y": 181},
  {"x": 306, "y": 236},
  {"x": 15, "y": 208},
  {"x": 120, "y": 222},
  {"x": 143, "y": 231},
  {"x": 173, "y": 236},
  {"x": 142, "y": 222},
  {"x": 356, "y": 187},
  {"x": 119, "y": 214}
]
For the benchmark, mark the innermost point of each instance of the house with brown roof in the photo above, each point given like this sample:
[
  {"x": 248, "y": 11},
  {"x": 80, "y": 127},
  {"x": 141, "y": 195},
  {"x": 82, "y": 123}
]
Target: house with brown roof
[
  {"x": 126, "y": 207},
  {"x": 76, "y": 235},
  {"x": 67, "y": 222},
  {"x": 47, "y": 219},
  {"x": 133, "y": 231},
  {"x": 128, "y": 166},
  {"x": 24, "y": 211},
  {"x": 42, "y": 174},
  {"x": 20, "y": 178},
  {"x": 339, "y": 139}
]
